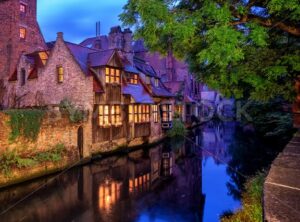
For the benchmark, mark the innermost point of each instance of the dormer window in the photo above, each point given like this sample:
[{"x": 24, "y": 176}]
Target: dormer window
[
  {"x": 112, "y": 75},
  {"x": 133, "y": 78},
  {"x": 22, "y": 8},
  {"x": 22, "y": 33},
  {"x": 147, "y": 80},
  {"x": 156, "y": 82},
  {"x": 60, "y": 74}
]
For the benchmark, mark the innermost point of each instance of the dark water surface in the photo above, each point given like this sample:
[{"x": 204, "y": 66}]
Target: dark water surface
[{"x": 174, "y": 181}]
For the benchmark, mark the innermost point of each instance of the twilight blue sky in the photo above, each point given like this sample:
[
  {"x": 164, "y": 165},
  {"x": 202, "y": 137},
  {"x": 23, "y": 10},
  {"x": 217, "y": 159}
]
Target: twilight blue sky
[{"x": 77, "y": 18}]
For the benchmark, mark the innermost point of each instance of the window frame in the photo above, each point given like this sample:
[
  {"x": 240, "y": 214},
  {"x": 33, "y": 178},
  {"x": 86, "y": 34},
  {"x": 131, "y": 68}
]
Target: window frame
[
  {"x": 156, "y": 82},
  {"x": 132, "y": 78},
  {"x": 23, "y": 6},
  {"x": 22, "y": 33},
  {"x": 166, "y": 110},
  {"x": 112, "y": 75},
  {"x": 109, "y": 115},
  {"x": 155, "y": 113},
  {"x": 139, "y": 113},
  {"x": 60, "y": 73}
]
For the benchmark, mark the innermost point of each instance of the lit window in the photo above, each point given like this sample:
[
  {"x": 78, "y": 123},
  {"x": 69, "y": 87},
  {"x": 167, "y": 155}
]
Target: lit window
[
  {"x": 43, "y": 57},
  {"x": 156, "y": 82},
  {"x": 141, "y": 114},
  {"x": 103, "y": 115},
  {"x": 116, "y": 115},
  {"x": 109, "y": 115},
  {"x": 22, "y": 8},
  {"x": 60, "y": 74},
  {"x": 166, "y": 113},
  {"x": 112, "y": 75},
  {"x": 22, "y": 33},
  {"x": 133, "y": 78},
  {"x": 130, "y": 112},
  {"x": 155, "y": 113}
]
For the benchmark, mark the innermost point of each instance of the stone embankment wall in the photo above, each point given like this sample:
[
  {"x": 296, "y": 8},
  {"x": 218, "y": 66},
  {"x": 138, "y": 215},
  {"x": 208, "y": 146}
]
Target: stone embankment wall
[
  {"x": 282, "y": 185},
  {"x": 53, "y": 132}
]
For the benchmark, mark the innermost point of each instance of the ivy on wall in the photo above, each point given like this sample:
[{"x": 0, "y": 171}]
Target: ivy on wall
[{"x": 25, "y": 123}]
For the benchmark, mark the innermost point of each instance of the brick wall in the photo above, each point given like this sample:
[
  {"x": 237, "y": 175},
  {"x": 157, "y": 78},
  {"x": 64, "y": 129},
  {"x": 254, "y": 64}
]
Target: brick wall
[
  {"x": 11, "y": 46},
  {"x": 51, "y": 133}
]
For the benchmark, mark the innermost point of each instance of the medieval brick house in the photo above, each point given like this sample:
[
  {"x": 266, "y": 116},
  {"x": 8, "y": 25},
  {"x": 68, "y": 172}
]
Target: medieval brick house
[
  {"x": 20, "y": 33},
  {"x": 125, "y": 103}
]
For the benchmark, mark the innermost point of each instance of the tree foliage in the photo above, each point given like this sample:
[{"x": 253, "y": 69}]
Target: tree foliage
[{"x": 243, "y": 48}]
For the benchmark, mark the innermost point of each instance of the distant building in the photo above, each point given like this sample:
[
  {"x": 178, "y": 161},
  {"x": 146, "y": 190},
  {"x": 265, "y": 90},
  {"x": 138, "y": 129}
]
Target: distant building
[{"x": 20, "y": 33}]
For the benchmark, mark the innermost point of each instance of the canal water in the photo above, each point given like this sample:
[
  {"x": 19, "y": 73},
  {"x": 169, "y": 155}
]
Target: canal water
[{"x": 176, "y": 181}]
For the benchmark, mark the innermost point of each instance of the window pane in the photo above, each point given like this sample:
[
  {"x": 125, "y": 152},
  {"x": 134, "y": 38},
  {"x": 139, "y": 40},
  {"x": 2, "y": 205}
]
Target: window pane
[
  {"x": 107, "y": 79},
  {"x": 117, "y": 72},
  {"x": 107, "y": 71}
]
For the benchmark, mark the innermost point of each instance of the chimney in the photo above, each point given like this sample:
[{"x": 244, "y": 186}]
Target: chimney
[
  {"x": 60, "y": 35},
  {"x": 98, "y": 29}
]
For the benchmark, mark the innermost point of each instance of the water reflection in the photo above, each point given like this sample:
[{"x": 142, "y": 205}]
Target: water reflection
[{"x": 174, "y": 181}]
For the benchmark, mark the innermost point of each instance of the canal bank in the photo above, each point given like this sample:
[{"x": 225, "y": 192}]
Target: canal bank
[
  {"x": 282, "y": 185},
  {"x": 173, "y": 181}
]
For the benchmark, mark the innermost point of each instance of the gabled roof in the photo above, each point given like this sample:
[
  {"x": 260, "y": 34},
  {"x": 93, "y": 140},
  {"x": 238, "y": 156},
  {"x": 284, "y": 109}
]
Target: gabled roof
[
  {"x": 80, "y": 54},
  {"x": 138, "y": 93},
  {"x": 100, "y": 58},
  {"x": 92, "y": 42}
]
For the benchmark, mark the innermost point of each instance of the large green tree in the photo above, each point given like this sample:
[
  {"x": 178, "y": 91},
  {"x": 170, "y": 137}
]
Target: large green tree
[{"x": 243, "y": 48}]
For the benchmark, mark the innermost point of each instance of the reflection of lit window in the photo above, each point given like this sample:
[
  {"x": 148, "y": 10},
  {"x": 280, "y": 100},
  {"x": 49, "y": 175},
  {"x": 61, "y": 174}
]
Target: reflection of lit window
[
  {"x": 166, "y": 112},
  {"x": 155, "y": 113},
  {"x": 140, "y": 183},
  {"x": 109, "y": 194},
  {"x": 112, "y": 75},
  {"x": 22, "y": 33}
]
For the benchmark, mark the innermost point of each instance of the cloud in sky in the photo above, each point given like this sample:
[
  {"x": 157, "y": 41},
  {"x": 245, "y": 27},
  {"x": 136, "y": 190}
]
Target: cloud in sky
[{"x": 77, "y": 18}]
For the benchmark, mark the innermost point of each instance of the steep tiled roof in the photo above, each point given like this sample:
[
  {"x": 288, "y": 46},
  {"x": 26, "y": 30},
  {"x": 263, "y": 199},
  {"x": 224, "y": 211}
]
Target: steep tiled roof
[
  {"x": 100, "y": 58},
  {"x": 92, "y": 42},
  {"x": 138, "y": 93},
  {"x": 131, "y": 69},
  {"x": 145, "y": 68},
  {"x": 80, "y": 54}
]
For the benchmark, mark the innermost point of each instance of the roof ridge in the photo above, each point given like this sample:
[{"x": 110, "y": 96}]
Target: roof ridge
[{"x": 82, "y": 46}]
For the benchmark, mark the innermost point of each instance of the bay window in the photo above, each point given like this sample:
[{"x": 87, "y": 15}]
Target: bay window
[
  {"x": 109, "y": 115},
  {"x": 139, "y": 113}
]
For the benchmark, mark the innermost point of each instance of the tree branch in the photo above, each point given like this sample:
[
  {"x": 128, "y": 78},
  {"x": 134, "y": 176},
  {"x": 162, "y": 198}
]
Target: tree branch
[{"x": 291, "y": 29}]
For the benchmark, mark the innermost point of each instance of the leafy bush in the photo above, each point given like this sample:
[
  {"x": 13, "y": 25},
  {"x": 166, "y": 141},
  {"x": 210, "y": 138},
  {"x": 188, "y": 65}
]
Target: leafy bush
[
  {"x": 75, "y": 115},
  {"x": 25, "y": 123},
  {"x": 251, "y": 200},
  {"x": 178, "y": 129},
  {"x": 10, "y": 159}
]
